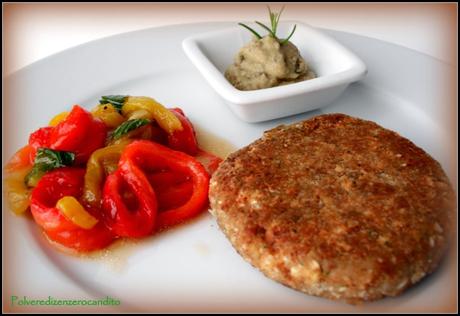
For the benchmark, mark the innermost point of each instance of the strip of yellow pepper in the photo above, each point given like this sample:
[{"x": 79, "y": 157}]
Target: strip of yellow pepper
[
  {"x": 108, "y": 114},
  {"x": 140, "y": 114},
  {"x": 165, "y": 118},
  {"x": 102, "y": 162},
  {"x": 75, "y": 212},
  {"x": 16, "y": 192},
  {"x": 58, "y": 118}
]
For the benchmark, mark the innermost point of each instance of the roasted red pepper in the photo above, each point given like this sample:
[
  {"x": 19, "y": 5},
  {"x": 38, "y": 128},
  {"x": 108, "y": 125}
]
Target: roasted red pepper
[
  {"x": 52, "y": 187},
  {"x": 209, "y": 161},
  {"x": 94, "y": 139},
  {"x": 174, "y": 196},
  {"x": 79, "y": 133},
  {"x": 71, "y": 132},
  {"x": 185, "y": 139},
  {"x": 129, "y": 203},
  {"x": 151, "y": 157},
  {"x": 171, "y": 188},
  {"x": 39, "y": 138}
]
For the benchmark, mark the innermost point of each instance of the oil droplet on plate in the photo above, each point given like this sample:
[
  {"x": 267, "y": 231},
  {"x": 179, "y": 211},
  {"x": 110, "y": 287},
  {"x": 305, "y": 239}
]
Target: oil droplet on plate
[
  {"x": 213, "y": 144},
  {"x": 202, "y": 249}
]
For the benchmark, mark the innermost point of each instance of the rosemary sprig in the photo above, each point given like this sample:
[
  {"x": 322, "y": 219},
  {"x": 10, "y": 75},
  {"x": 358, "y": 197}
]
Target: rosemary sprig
[
  {"x": 272, "y": 34},
  {"x": 274, "y": 21},
  {"x": 251, "y": 30},
  {"x": 272, "y": 18},
  {"x": 275, "y": 18},
  {"x": 287, "y": 38}
]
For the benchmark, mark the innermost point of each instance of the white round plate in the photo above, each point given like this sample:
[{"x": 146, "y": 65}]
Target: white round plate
[{"x": 193, "y": 268}]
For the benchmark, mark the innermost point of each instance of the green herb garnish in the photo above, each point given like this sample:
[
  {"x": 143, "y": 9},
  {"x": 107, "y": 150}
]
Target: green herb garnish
[
  {"x": 116, "y": 100},
  {"x": 47, "y": 160},
  {"x": 274, "y": 20},
  {"x": 290, "y": 35},
  {"x": 251, "y": 30},
  {"x": 128, "y": 126}
]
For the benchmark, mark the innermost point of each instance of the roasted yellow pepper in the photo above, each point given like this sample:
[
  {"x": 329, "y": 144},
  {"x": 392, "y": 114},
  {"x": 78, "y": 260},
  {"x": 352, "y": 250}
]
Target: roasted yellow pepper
[
  {"x": 165, "y": 118},
  {"x": 102, "y": 162},
  {"x": 75, "y": 212},
  {"x": 140, "y": 114},
  {"x": 58, "y": 118},
  {"x": 108, "y": 114},
  {"x": 16, "y": 191}
]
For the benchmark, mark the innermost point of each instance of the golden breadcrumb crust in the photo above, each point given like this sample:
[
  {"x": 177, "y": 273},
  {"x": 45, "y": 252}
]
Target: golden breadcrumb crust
[{"x": 335, "y": 206}]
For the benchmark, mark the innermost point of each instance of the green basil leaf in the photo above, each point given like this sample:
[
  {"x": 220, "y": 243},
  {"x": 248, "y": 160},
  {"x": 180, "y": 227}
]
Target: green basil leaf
[
  {"x": 128, "y": 126},
  {"x": 47, "y": 160},
  {"x": 116, "y": 100}
]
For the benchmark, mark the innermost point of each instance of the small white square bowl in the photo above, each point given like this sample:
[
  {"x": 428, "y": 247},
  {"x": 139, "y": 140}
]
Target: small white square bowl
[{"x": 335, "y": 66}]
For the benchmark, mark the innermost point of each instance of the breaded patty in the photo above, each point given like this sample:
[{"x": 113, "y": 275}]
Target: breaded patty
[{"x": 335, "y": 206}]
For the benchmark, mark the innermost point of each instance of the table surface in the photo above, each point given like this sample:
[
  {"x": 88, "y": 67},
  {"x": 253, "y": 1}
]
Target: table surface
[{"x": 35, "y": 31}]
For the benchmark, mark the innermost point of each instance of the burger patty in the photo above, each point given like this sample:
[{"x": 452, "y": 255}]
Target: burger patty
[{"x": 335, "y": 206}]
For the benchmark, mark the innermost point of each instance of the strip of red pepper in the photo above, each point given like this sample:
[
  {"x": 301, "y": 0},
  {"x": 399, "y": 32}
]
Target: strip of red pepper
[
  {"x": 125, "y": 215},
  {"x": 39, "y": 138},
  {"x": 70, "y": 133},
  {"x": 172, "y": 189},
  {"x": 143, "y": 156},
  {"x": 79, "y": 133},
  {"x": 209, "y": 161},
  {"x": 185, "y": 139},
  {"x": 53, "y": 186}
]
